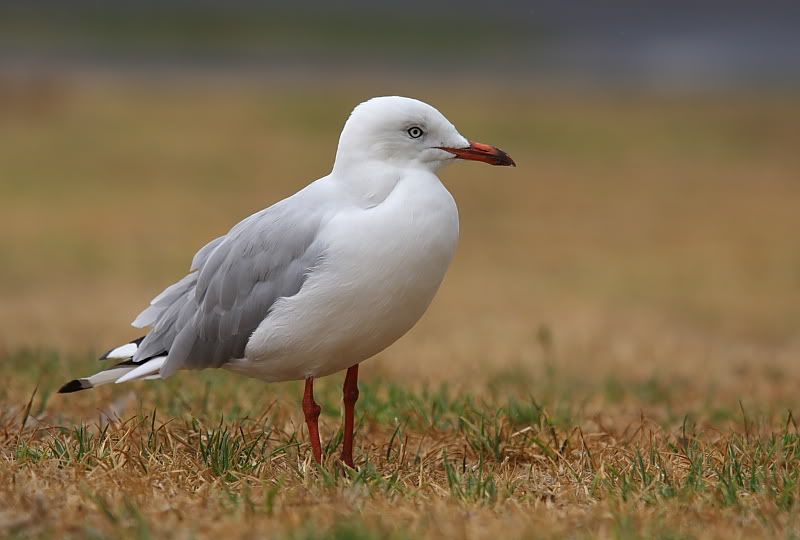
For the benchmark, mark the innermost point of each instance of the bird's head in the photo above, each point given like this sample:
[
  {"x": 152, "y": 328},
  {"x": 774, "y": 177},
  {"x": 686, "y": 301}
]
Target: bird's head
[{"x": 408, "y": 133}]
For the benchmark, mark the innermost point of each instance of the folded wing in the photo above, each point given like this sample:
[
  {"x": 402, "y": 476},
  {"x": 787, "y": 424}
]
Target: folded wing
[{"x": 205, "y": 319}]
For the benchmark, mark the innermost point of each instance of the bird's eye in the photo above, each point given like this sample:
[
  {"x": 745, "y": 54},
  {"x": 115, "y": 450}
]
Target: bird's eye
[{"x": 415, "y": 132}]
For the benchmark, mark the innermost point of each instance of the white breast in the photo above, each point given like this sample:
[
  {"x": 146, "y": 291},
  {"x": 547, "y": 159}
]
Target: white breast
[{"x": 381, "y": 269}]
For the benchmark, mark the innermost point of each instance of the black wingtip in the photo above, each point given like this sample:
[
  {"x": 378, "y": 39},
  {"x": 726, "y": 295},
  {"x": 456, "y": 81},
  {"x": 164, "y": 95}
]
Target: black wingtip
[{"x": 74, "y": 386}]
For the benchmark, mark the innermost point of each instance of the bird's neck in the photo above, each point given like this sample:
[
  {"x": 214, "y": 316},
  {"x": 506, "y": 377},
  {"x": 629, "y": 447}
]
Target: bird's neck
[{"x": 368, "y": 182}]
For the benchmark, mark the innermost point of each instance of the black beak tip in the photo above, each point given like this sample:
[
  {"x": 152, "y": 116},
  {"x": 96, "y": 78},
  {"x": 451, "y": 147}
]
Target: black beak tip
[{"x": 506, "y": 161}]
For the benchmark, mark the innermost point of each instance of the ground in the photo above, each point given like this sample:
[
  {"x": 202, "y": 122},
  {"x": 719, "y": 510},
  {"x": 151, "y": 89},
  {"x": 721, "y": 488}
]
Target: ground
[{"x": 614, "y": 353}]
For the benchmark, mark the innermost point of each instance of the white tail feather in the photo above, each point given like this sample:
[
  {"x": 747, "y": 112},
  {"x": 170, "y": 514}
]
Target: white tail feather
[
  {"x": 122, "y": 352},
  {"x": 148, "y": 368},
  {"x": 109, "y": 375}
]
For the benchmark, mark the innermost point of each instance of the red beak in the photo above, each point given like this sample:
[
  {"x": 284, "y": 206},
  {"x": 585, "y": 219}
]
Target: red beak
[{"x": 481, "y": 152}]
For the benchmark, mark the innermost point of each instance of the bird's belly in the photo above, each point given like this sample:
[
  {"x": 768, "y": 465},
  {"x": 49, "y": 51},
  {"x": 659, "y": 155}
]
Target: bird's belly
[{"x": 380, "y": 273}]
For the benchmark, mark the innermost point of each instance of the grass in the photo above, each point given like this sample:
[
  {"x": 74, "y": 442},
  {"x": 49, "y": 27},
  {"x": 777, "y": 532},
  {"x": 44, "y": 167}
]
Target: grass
[
  {"x": 613, "y": 354},
  {"x": 428, "y": 457}
]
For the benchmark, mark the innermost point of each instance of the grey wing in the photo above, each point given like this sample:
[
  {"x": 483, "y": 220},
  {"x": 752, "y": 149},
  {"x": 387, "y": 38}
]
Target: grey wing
[{"x": 206, "y": 319}]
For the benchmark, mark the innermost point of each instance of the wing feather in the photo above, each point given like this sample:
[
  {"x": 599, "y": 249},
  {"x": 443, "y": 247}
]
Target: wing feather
[{"x": 205, "y": 319}]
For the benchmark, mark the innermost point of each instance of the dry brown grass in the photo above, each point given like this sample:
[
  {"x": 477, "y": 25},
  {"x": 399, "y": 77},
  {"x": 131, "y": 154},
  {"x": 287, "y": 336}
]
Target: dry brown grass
[{"x": 618, "y": 333}]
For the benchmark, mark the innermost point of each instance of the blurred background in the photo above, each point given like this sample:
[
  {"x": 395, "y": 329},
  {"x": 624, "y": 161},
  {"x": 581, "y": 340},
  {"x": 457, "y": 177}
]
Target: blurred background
[{"x": 651, "y": 225}]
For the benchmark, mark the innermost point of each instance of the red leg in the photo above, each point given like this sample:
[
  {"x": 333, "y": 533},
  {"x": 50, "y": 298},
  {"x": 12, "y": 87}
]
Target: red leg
[
  {"x": 312, "y": 410},
  {"x": 350, "y": 395}
]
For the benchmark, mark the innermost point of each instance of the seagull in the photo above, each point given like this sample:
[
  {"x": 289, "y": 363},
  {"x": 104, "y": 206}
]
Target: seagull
[{"x": 322, "y": 280}]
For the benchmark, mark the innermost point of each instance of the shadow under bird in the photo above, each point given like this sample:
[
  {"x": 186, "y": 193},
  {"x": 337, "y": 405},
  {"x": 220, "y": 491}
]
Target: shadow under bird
[{"x": 324, "y": 279}]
